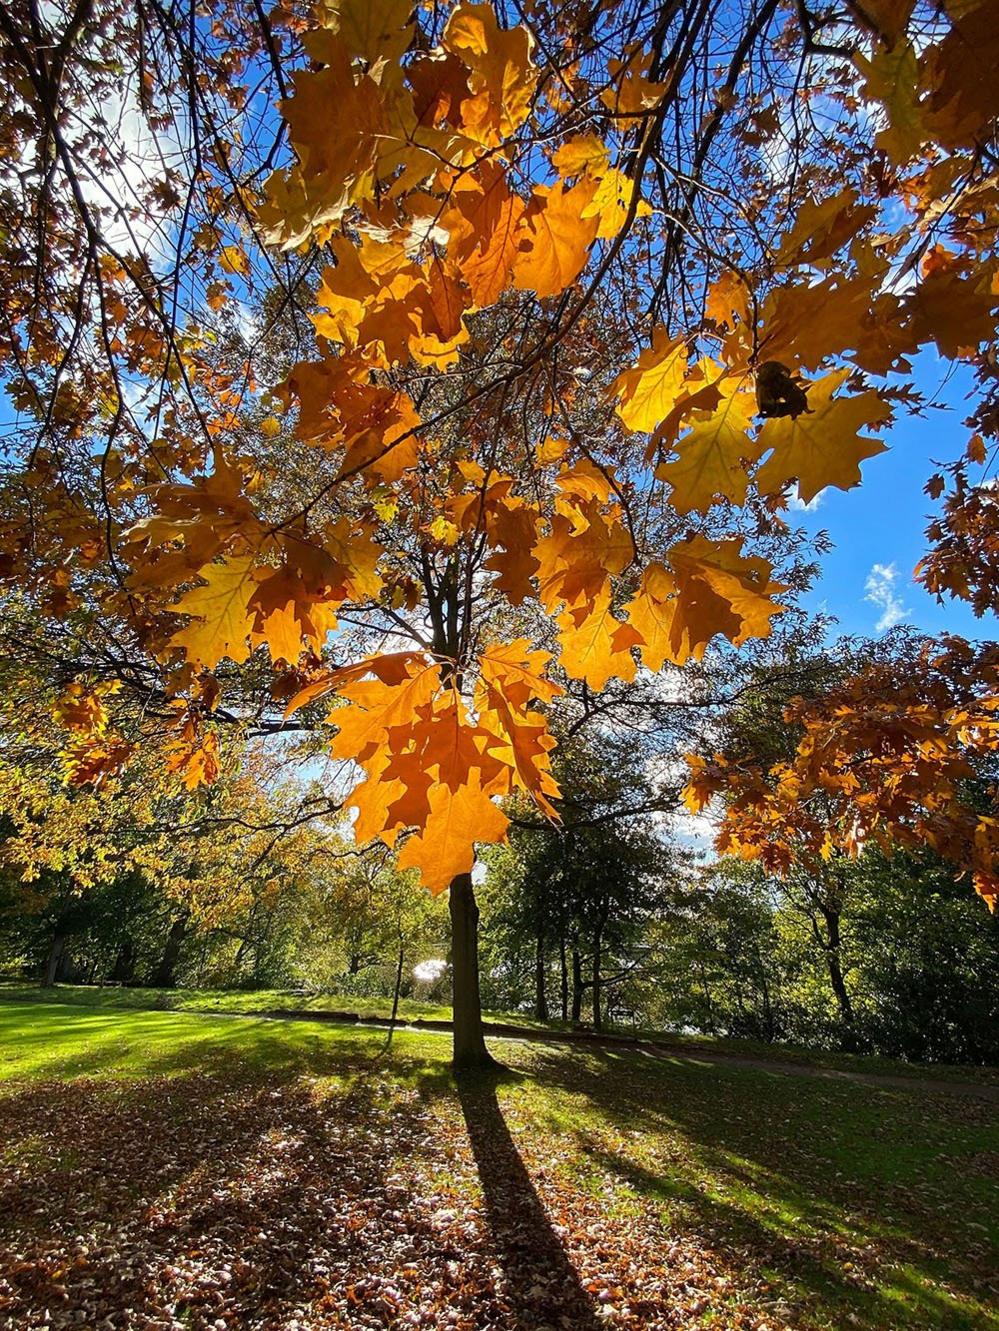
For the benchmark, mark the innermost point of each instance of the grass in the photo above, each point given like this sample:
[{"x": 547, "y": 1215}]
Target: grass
[
  {"x": 221, "y": 1000},
  {"x": 411, "y": 1010},
  {"x": 734, "y": 1197}
]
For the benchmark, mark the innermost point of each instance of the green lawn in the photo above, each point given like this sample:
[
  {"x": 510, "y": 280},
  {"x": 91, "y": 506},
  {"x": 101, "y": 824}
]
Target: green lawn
[
  {"x": 234, "y": 1163},
  {"x": 411, "y": 1010}
]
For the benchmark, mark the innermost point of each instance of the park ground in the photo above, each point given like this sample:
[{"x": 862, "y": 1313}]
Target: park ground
[{"x": 172, "y": 1169}]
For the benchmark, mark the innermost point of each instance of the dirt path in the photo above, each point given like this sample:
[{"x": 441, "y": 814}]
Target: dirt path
[{"x": 659, "y": 1049}]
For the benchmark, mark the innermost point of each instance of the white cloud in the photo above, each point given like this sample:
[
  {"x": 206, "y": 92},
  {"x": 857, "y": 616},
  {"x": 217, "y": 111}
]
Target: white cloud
[
  {"x": 880, "y": 590},
  {"x": 797, "y": 505}
]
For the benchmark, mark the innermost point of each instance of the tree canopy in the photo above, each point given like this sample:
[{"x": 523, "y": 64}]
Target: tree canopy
[{"x": 429, "y": 369}]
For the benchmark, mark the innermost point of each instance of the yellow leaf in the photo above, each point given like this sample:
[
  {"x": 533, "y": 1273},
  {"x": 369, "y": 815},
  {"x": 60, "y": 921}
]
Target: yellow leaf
[
  {"x": 632, "y": 90},
  {"x": 611, "y": 202},
  {"x": 891, "y": 77},
  {"x": 714, "y": 450},
  {"x": 372, "y": 30},
  {"x": 445, "y": 846},
  {"x": 555, "y": 238},
  {"x": 595, "y": 645},
  {"x": 821, "y": 447},
  {"x": 232, "y": 259},
  {"x": 583, "y": 154},
  {"x": 222, "y": 620},
  {"x": 502, "y": 74},
  {"x": 649, "y": 389},
  {"x": 709, "y": 589},
  {"x": 443, "y": 531}
]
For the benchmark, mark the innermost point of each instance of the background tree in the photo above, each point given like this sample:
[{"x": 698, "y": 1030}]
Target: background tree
[{"x": 429, "y": 519}]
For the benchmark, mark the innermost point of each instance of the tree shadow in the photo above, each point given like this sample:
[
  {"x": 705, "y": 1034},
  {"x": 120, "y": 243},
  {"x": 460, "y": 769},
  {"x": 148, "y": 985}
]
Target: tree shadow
[
  {"x": 542, "y": 1285},
  {"x": 790, "y": 1177}
]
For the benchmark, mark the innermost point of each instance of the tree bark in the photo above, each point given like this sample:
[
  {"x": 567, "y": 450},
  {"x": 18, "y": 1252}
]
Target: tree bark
[
  {"x": 540, "y": 996},
  {"x": 835, "y": 968},
  {"x": 123, "y": 971},
  {"x": 165, "y": 974},
  {"x": 469, "y": 1050},
  {"x": 597, "y": 980},
  {"x": 56, "y": 950},
  {"x": 563, "y": 980},
  {"x": 396, "y": 992},
  {"x": 577, "y": 986}
]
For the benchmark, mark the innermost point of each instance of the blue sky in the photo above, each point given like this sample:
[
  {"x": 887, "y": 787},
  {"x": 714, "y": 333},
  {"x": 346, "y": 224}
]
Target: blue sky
[{"x": 882, "y": 522}]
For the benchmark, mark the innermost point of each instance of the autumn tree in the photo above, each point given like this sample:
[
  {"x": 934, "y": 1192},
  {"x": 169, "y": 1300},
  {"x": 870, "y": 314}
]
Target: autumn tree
[
  {"x": 567, "y": 903},
  {"x": 572, "y": 298}
]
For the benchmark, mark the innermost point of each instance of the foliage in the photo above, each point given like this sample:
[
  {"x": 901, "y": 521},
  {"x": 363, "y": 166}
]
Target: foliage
[{"x": 484, "y": 491}]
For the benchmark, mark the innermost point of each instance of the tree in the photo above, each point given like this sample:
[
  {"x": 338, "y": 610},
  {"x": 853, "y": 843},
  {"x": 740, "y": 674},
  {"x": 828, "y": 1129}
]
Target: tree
[
  {"x": 590, "y": 293},
  {"x": 578, "y": 896},
  {"x": 900, "y": 750}
]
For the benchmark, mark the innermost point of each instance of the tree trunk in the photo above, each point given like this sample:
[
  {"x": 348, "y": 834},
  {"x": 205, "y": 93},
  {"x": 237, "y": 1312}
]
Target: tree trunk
[
  {"x": 577, "y": 986},
  {"x": 835, "y": 967},
  {"x": 56, "y": 950},
  {"x": 165, "y": 974},
  {"x": 540, "y": 997},
  {"x": 123, "y": 971},
  {"x": 470, "y": 1050},
  {"x": 396, "y": 992},
  {"x": 769, "y": 1026},
  {"x": 563, "y": 980},
  {"x": 597, "y": 983}
]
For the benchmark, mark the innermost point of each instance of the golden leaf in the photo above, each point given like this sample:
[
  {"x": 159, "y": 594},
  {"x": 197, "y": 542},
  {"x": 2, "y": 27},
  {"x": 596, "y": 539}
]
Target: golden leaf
[
  {"x": 822, "y": 447},
  {"x": 648, "y": 390},
  {"x": 222, "y": 620},
  {"x": 555, "y": 238}
]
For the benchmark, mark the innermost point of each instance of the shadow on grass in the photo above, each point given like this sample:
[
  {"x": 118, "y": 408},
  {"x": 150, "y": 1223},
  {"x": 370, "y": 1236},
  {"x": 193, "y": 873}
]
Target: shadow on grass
[
  {"x": 857, "y": 1200},
  {"x": 252, "y": 1198},
  {"x": 541, "y": 1283}
]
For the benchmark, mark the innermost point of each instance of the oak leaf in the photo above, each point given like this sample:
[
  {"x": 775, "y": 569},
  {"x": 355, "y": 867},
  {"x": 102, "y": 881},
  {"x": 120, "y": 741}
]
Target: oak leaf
[
  {"x": 823, "y": 447},
  {"x": 445, "y": 846},
  {"x": 714, "y": 451},
  {"x": 555, "y": 238},
  {"x": 647, "y": 392},
  {"x": 221, "y": 617},
  {"x": 595, "y": 645}
]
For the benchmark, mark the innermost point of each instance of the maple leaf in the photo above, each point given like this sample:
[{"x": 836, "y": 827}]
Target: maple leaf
[
  {"x": 376, "y": 706},
  {"x": 512, "y": 531},
  {"x": 821, "y": 448},
  {"x": 89, "y": 762},
  {"x": 647, "y": 392},
  {"x": 555, "y": 238},
  {"x": 511, "y": 677},
  {"x": 390, "y": 667},
  {"x": 714, "y": 450},
  {"x": 822, "y": 226},
  {"x": 956, "y": 312},
  {"x": 233, "y": 259},
  {"x": 488, "y": 267},
  {"x": 222, "y": 619},
  {"x": 445, "y": 846}
]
